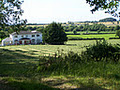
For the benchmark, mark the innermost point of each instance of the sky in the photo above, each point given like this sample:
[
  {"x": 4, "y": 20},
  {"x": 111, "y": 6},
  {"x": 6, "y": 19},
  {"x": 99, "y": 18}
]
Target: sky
[{"x": 47, "y": 11}]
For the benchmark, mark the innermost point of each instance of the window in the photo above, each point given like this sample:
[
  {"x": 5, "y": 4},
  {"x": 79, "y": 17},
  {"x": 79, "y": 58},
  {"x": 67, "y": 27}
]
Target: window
[
  {"x": 26, "y": 35},
  {"x": 22, "y": 36},
  {"x": 33, "y": 35},
  {"x": 33, "y": 41},
  {"x": 15, "y": 36},
  {"x": 38, "y": 35},
  {"x": 38, "y": 40}
]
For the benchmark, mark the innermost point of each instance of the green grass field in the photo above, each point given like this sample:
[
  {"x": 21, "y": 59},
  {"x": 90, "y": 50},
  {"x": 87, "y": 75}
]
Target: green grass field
[
  {"x": 91, "y": 32},
  {"x": 18, "y": 69},
  {"x": 75, "y": 46},
  {"x": 106, "y": 36}
]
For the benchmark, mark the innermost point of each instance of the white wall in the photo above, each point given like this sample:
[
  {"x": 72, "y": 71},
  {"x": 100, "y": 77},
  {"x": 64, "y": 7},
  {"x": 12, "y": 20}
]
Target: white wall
[{"x": 29, "y": 36}]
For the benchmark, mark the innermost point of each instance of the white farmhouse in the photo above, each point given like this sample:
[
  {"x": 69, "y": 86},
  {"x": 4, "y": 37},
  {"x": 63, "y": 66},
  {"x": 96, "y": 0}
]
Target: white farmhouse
[{"x": 23, "y": 38}]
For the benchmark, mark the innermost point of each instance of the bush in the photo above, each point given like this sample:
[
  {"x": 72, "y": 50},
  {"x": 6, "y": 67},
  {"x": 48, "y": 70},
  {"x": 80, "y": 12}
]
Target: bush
[{"x": 102, "y": 51}]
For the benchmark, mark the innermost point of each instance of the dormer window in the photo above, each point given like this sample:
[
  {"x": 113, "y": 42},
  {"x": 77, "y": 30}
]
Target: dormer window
[{"x": 15, "y": 36}]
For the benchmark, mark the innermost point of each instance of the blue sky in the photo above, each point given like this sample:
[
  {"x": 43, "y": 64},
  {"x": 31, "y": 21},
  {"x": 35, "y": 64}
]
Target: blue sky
[{"x": 47, "y": 11}]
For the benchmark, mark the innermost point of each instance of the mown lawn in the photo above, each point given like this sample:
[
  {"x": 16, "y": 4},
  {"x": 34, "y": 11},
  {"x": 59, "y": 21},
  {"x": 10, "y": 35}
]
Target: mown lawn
[
  {"x": 18, "y": 69},
  {"x": 36, "y": 50}
]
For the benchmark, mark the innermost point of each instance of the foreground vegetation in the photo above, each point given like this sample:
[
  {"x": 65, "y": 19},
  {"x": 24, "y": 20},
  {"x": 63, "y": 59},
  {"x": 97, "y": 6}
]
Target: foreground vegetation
[{"x": 23, "y": 67}]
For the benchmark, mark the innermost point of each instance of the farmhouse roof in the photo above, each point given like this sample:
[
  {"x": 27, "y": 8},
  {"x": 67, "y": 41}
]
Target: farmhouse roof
[{"x": 25, "y": 32}]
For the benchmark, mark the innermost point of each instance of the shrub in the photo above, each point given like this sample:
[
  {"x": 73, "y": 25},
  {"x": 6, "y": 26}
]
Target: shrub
[{"x": 102, "y": 51}]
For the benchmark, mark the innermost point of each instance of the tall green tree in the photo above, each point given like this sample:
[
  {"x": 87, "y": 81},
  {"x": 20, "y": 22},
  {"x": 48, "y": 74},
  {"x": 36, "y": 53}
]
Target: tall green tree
[
  {"x": 2, "y": 35},
  {"x": 54, "y": 34},
  {"x": 117, "y": 27}
]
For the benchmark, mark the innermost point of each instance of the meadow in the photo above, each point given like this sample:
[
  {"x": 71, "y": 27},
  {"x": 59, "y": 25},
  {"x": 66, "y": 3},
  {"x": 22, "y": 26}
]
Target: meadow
[{"x": 18, "y": 69}]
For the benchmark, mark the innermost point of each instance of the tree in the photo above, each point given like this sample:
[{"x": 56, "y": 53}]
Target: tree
[
  {"x": 117, "y": 27},
  {"x": 118, "y": 33},
  {"x": 75, "y": 31},
  {"x": 107, "y": 20},
  {"x": 54, "y": 34},
  {"x": 85, "y": 27},
  {"x": 110, "y": 5},
  {"x": 71, "y": 28},
  {"x": 2, "y": 35},
  {"x": 10, "y": 13},
  {"x": 40, "y": 29}
]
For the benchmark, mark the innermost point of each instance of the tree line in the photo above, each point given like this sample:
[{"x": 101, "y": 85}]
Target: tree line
[
  {"x": 86, "y": 27},
  {"x": 94, "y": 27},
  {"x": 107, "y": 20}
]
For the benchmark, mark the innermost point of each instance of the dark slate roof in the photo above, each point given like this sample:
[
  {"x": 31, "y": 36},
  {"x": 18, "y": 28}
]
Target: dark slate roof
[{"x": 25, "y": 32}]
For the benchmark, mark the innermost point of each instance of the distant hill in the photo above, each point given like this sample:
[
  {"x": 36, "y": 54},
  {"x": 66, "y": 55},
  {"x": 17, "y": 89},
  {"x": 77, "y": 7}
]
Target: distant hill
[{"x": 107, "y": 20}]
